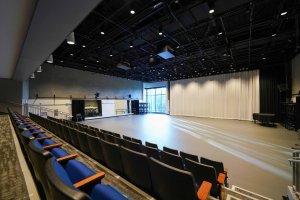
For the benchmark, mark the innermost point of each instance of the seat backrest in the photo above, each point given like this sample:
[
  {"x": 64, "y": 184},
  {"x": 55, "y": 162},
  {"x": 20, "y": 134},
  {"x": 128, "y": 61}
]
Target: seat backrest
[
  {"x": 171, "y": 183},
  {"x": 74, "y": 137},
  {"x": 171, "y": 159},
  {"x": 109, "y": 138},
  {"x": 152, "y": 152},
  {"x": 136, "y": 168},
  {"x": 133, "y": 146},
  {"x": 136, "y": 140},
  {"x": 189, "y": 156},
  {"x": 83, "y": 143},
  {"x": 112, "y": 156},
  {"x": 38, "y": 157},
  {"x": 60, "y": 185},
  {"x": 126, "y": 138},
  {"x": 95, "y": 148},
  {"x": 219, "y": 167},
  {"x": 169, "y": 150},
  {"x": 202, "y": 173},
  {"x": 149, "y": 144}
]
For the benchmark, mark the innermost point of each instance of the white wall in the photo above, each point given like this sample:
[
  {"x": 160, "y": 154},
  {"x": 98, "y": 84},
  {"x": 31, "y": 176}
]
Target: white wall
[
  {"x": 227, "y": 96},
  {"x": 64, "y": 82},
  {"x": 296, "y": 74}
]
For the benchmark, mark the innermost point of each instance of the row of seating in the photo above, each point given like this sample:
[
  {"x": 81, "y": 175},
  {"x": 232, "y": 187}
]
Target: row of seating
[
  {"x": 57, "y": 172},
  {"x": 109, "y": 149}
]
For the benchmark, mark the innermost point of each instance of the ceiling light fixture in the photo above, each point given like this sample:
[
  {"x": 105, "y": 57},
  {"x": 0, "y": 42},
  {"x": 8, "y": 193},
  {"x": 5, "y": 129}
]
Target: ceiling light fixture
[
  {"x": 160, "y": 30},
  {"x": 132, "y": 12},
  {"x": 131, "y": 44},
  {"x": 39, "y": 69},
  {"x": 71, "y": 38},
  {"x": 50, "y": 59},
  {"x": 32, "y": 75},
  {"x": 83, "y": 46},
  {"x": 211, "y": 11},
  {"x": 110, "y": 53},
  {"x": 220, "y": 33},
  {"x": 102, "y": 33},
  {"x": 71, "y": 54},
  {"x": 273, "y": 35},
  {"x": 283, "y": 13},
  {"x": 85, "y": 66},
  {"x": 264, "y": 58}
]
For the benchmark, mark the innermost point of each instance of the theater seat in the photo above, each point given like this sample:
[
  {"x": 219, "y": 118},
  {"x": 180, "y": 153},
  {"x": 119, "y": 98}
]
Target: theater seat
[
  {"x": 189, "y": 156},
  {"x": 112, "y": 156},
  {"x": 171, "y": 159},
  {"x": 219, "y": 167},
  {"x": 149, "y": 144},
  {"x": 151, "y": 152},
  {"x": 202, "y": 173},
  {"x": 83, "y": 143},
  {"x": 170, "y": 183},
  {"x": 133, "y": 146},
  {"x": 136, "y": 168},
  {"x": 169, "y": 150},
  {"x": 63, "y": 187},
  {"x": 95, "y": 148}
]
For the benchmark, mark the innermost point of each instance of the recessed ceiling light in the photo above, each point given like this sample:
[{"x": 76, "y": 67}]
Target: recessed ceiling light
[
  {"x": 102, "y": 33},
  {"x": 273, "y": 35},
  {"x": 61, "y": 61},
  {"x": 160, "y": 33},
  {"x": 283, "y": 13},
  {"x": 83, "y": 46},
  {"x": 178, "y": 47},
  {"x": 81, "y": 59},
  {"x": 71, "y": 54},
  {"x": 110, "y": 55},
  {"x": 211, "y": 11},
  {"x": 97, "y": 61},
  {"x": 132, "y": 12},
  {"x": 264, "y": 58},
  {"x": 84, "y": 66},
  {"x": 220, "y": 33}
]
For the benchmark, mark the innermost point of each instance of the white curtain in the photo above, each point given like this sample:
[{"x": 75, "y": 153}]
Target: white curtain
[{"x": 227, "y": 96}]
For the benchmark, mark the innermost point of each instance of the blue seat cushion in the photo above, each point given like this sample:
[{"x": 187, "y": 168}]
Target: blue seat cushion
[
  {"x": 47, "y": 142},
  {"x": 105, "y": 192},
  {"x": 58, "y": 152},
  {"x": 77, "y": 171},
  {"x": 37, "y": 144},
  {"x": 40, "y": 135},
  {"x": 61, "y": 173}
]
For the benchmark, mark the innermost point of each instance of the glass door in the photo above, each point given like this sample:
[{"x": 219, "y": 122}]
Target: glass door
[{"x": 156, "y": 98}]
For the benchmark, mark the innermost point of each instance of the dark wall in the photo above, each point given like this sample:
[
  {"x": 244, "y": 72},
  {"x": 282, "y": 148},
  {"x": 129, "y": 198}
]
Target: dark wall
[{"x": 270, "y": 97}]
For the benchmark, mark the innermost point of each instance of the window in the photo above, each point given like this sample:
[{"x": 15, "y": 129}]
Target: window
[{"x": 156, "y": 98}]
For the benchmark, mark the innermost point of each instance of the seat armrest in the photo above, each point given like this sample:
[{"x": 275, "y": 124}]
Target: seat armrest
[
  {"x": 66, "y": 158},
  {"x": 92, "y": 179},
  {"x": 226, "y": 171},
  {"x": 204, "y": 190},
  {"x": 43, "y": 138},
  {"x": 36, "y": 133},
  {"x": 221, "y": 178},
  {"x": 52, "y": 146}
]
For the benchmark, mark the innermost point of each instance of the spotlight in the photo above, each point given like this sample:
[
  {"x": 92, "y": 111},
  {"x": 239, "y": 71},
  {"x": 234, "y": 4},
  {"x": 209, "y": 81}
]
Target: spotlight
[
  {"x": 220, "y": 33},
  {"x": 83, "y": 46},
  {"x": 32, "y": 75},
  {"x": 132, "y": 12},
  {"x": 71, "y": 39},
  {"x": 131, "y": 44},
  {"x": 211, "y": 7},
  {"x": 102, "y": 33},
  {"x": 71, "y": 54},
  {"x": 39, "y": 69},
  {"x": 110, "y": 54},
  {"x": 211, "y": 11},
  {"x": 50, "y": 59},
  {"x": 160, "y": 31},
  {"x": 283, "y": 13}
]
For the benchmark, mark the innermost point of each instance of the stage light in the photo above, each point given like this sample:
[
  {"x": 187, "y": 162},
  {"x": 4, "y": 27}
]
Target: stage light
[{"x": 71, "y": 39}]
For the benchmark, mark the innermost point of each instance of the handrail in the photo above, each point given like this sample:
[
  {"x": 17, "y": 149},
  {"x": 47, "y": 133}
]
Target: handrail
[{"x": 38, "y": 109}]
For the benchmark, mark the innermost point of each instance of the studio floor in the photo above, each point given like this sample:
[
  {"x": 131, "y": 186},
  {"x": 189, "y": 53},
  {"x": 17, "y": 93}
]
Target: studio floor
[{"x": 257, "y": 156}]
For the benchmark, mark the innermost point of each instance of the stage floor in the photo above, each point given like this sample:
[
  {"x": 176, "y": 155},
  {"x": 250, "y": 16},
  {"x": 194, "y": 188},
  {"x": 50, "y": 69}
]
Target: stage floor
[{"x": 257, "y": 156}]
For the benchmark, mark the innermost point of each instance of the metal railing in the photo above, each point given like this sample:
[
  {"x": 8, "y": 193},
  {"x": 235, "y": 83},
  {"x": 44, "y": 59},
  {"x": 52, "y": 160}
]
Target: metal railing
[{"x": 44, "y": 111}]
